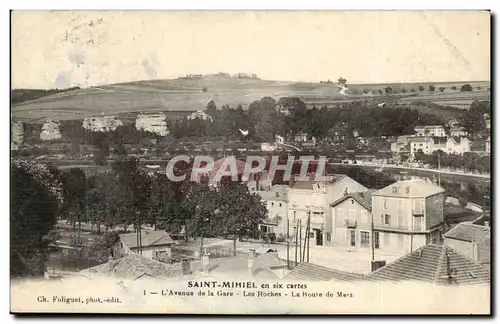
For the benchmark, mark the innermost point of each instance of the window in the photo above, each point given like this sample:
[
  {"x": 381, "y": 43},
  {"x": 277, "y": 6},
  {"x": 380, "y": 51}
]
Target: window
[
  {"x": 328, "y": 237},
  {"x": 340, "y": 215},
  {"x": 272, "y": 204},
  {"x": 352, "y": 215},
  {"x": 376, "y": 240},
  {"x": 418, "y": 210},
  {"x": 294, "y": 216},
  {"x": 352, "y": 201},
  {"x": 385, "y": 219},
  {"x": 311, "y": 235},
  {"x": 280, "y": 204},
  {"x": 364, "y": 219},
  {"x": 400, "y": 220},
  {"x": 365, "y": 239},
  {"x": 353, "y": 238},
  {"x": 385, "y": 201},
  {"x": 418, "y": 223}
]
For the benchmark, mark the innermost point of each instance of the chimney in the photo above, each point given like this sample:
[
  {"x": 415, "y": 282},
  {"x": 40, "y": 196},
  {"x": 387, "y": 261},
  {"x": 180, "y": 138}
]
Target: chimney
[
  {"x": 205, "y": 258},
  {"x": 251, "y": 258}
]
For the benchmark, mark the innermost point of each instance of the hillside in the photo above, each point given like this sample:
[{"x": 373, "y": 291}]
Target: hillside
[{"x": 181, "y": 95}]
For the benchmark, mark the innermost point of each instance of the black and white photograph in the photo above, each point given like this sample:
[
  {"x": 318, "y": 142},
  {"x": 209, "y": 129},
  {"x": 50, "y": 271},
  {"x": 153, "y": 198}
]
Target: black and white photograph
[{"x": 250, "y": 162}]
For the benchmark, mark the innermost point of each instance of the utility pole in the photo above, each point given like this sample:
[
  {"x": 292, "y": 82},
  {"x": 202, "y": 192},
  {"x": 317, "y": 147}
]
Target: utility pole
[
  {"x": 300, "y": 239},
  {"x": 296, "y": 242},
  {"x": 439, "y": 169},
  {"x": 288, "y": 243},
  {"x": 308, "y": 236},
  {"x": 373, "y": 240}
]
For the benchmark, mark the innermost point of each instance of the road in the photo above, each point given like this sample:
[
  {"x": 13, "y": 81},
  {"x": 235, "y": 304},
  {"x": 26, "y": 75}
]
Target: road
[{"x": 335, "y": 258}]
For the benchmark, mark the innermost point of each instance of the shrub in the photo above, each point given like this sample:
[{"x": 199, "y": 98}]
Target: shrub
[
  {"x": 466, "y": 87},
  {"x": 204, "y": 89}
]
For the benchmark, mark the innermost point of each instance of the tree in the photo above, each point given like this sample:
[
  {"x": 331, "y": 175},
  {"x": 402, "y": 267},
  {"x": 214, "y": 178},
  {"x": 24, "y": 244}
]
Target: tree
[
  {"x": 466, "y": 87},
  {"x": 211, "y": 108},
  {"x": 36, "y": 194},
  {"x": 441, "y": 89},
  {"x": 454, "y": 88},
  {"x": 388, "y": 90},
  {"x": 403, "y": 90},
  {"x": 432, "y": 88},
  {"x": 204, "y": 89},
  {"x": 240, "y": 212},
  {"x": 421, "y": 88}
]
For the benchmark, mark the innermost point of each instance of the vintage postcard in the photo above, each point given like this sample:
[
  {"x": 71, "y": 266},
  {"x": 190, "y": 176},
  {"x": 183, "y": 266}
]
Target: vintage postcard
[{"x": 250, "y": 162}]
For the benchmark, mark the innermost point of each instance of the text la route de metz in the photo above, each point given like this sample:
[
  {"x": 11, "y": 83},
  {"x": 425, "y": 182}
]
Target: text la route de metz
[{"x": 250, "y": 289}]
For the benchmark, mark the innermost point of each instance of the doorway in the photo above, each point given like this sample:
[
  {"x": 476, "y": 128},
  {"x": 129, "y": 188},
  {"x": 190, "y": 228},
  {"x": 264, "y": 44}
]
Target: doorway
[{"x": 319, "y": 237}]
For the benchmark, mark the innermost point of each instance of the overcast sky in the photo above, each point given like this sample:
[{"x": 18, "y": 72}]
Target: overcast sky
[{"x": 63, "y": 49}]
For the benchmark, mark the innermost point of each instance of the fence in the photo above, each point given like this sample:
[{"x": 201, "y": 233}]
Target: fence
[{"x": 215, "y": 252}]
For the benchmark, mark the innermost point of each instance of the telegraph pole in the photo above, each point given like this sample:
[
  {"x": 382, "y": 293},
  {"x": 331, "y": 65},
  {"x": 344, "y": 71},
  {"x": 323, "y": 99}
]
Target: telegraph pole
[
  {"x": 288, "y": 243},
  {"x": 300, "y": 239},
  {"x": 308, "y": 236},
  {"x": 439, "y": 169},
  {"x": 296, "y": 242},
  {"x": 373, "y": 240}
]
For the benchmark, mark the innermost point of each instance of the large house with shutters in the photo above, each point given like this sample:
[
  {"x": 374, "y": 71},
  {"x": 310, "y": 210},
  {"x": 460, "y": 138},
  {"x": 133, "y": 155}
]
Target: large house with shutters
[
  {"x": 407, "y": 215},
  {"x": 352, "y": 221},
  {"x": 313, "y": 198}
]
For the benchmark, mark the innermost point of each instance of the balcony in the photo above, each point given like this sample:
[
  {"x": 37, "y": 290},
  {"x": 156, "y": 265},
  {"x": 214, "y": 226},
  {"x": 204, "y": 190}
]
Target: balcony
[{"x": 351, "y": 223}]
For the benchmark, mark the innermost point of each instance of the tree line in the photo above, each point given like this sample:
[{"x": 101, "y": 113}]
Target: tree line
[{"x": 125, "y": 196}]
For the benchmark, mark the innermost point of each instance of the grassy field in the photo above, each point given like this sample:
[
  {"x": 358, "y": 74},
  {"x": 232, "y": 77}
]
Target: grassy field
[{"x": 182, "y": 95}]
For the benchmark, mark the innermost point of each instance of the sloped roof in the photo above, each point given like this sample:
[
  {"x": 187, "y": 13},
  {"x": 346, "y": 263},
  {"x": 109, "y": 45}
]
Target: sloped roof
[
  {"x": 149, "y": 238},
  {"x": 134, "y": 266},
  {"x": 363, "y": 198},
  {"x": 467, "y": 231},
  {"x": 430, "y": 264},
  {"x": 309, "y": 185},
  {"x": 421, "y": 139},
  {"x": 417, "y": 188},
  {"x": 313, "y": 272},
  {"x": 277, "y": 192}
]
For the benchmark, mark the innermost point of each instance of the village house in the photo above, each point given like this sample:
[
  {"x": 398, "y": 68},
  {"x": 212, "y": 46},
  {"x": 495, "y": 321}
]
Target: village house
[
  {"x": 421, "y": 144},
  {"x": 338, "y": 134},
  {"x": 406, "y": 215},
  {"x": 313, "y": 198},
  {"x": 458, "y": 132},
  {"x": 471, "y": 239},
  {"x": 450, "y": 145},
  {"x": 352, "y": 221},
  {"x": 430, "y": 130},
  {"x": 154, "y": 244},
  {"x": 401, "y": 144},
  {"x": 300, "y": 137},
  {"x": 276, "y": 201}
]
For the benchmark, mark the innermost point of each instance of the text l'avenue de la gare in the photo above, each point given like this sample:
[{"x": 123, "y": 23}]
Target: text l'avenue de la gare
[{"x": 247, "y": 289}]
